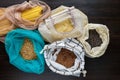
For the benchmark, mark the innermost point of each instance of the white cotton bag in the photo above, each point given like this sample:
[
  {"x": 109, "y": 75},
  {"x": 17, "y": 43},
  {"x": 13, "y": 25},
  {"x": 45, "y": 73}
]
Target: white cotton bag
[
  {"x": 69, "y": 20},
  {"x": 72, "y": 45}
]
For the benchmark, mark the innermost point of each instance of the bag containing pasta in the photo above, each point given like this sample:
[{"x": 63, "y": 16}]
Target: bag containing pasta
[
  {"x": 28, "y": 15},
  {"x": 95, "y": 39},
  {"x": 5, "y": 24},
  {"x": 64, "y": 22}
]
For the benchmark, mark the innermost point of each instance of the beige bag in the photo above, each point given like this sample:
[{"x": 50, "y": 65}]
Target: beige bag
[
  {"x": 96, "y": 45},
  {"x": 5, "y": 24},
  {"x": 13, "y": 13},
  {"x": 64, "y": 22}
]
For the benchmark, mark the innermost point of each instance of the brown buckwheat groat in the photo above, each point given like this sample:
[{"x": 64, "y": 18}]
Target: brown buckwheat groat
[{"x": 66, "y": 58}]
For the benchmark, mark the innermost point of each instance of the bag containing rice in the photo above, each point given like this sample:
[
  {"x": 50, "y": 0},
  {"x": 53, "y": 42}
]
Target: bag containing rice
[{"x": 23, "y": 47}]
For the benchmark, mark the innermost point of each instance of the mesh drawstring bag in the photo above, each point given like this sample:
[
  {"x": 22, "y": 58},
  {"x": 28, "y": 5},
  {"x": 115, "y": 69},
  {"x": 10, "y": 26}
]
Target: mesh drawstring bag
[
  {"x": 5, "y": 25},
  {"x": 14, "y": 14},
  {"x": 64, "y": 22},
  {"x": 65, "y": 57},
  {"x": 2, "y": 39},
  {"x": 23, "y": 47},
  {"x": 95, "y": 39}
]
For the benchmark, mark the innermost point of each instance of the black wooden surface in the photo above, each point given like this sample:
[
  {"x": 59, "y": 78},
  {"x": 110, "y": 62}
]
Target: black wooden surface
[{"x": 106, "y": 67}]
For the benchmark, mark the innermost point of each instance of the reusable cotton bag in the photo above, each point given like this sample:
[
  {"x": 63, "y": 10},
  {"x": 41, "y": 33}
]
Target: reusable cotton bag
[
  {"x": 95, "y": 39},
  {"x": 64, "y": 22},
  {"x": 52, "y": 51}
]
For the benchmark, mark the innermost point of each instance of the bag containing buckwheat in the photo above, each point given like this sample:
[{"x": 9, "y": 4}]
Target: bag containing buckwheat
[{"x": 65, "y": 57}]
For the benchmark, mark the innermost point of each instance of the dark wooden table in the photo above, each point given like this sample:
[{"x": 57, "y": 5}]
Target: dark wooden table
[{"x": 106, "y": 67}]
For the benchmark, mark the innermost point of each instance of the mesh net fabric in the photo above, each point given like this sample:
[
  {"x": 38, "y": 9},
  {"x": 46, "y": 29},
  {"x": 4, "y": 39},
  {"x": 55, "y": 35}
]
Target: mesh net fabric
[
  {"x": 14, "y": 42},
  {"x": 13, "y": 13},
  {"x": 70, "y": 19},
  {"x": 99, "y": 50},
  {"x": 5, "y": 24}
]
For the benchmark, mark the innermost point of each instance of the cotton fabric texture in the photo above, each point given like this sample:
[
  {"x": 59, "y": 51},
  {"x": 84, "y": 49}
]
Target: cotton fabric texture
[
  {"x": 77, "y": 18},
  {"x": 70, "y": 44},
  {"x": 13, "y": 44},
  {"x": 103, "y": 32}
]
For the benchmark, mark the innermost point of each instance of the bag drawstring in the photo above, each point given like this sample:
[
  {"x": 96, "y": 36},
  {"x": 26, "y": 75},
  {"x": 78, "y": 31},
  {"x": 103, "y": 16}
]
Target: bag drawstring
[{"x": 84, "y": 72}]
